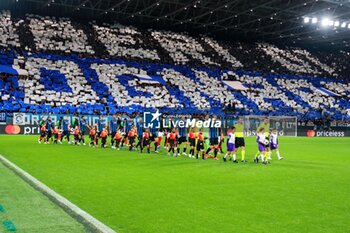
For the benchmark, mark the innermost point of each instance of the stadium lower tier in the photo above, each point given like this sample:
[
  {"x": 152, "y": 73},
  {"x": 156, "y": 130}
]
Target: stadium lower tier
[{"x": 72, "y": 84}]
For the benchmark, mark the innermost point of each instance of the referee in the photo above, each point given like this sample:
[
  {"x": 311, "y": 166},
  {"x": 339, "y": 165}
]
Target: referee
[{"x": 239, "y": 141}]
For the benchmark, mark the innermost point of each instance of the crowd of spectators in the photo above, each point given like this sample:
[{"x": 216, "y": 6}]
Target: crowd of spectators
[{"x": 89, "y": 68}]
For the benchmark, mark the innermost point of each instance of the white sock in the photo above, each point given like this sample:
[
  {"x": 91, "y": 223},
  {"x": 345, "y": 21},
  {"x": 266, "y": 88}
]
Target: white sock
[
  {"x": 234, "y": 156},
  {"x": 225, "y": 155},
  {"x": 269, "y": 155},
  {"x": 262, "y": 157},
  {"x": 278, "y": 154}
]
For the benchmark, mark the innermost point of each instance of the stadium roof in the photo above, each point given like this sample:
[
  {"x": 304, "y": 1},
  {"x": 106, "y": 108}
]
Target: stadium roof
[{"x": 279, "y": 21}]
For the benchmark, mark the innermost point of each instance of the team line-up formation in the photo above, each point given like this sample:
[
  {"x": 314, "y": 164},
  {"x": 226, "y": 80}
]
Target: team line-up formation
[{"x": 124, "y": 132}]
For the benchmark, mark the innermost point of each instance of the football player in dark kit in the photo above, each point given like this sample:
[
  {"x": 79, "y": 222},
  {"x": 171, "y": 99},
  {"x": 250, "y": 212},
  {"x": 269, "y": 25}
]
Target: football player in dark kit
[
  {"x": 49, "y": 128},
  {"x": 127, "y": 125},
  {"x": 154, "y": 138},
  {"x": 113, "y": 125},
  {"x": 214, "y": 134},
  {"x": 139, "y": 129},
  {"x": 182, "y": 137},
  {"x": 66, "y": 129},
  {"x": 101, "y": 123},
  {"x": 82, "y": 128}
]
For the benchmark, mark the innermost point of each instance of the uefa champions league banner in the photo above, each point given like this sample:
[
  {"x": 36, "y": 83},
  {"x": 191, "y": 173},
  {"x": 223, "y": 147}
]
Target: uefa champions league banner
[
  {"x": 337, "y": 131},
  {"x": 334, "y": 129}
]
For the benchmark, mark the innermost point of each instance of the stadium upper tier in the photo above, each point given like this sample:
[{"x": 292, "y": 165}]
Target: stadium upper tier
[{"x": 58, "y": 65}]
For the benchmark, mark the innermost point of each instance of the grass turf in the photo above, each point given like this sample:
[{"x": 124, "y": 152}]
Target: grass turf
[
  {"x": 130, "y": 192},
  {"x": 29, "y": 210}
]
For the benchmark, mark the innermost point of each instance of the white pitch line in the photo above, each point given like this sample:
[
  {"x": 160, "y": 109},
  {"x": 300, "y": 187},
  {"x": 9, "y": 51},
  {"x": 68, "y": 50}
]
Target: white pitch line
[{"x": 96, "y": 224}]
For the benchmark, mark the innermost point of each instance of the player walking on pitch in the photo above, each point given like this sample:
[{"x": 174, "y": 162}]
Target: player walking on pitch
[
  {"x": 262, "y": 142},
  {"x": 231, "y": 150},
  {"x": 266, "y": 126},
  {"x": 274, "y": 145},
  {"x": 66, "y": 129},
  {"x": 82, "y": 128},
  {"x": 214, "y": 140},
  {"x": 182, "y": 137},
  {"x": 139, "y": 130},
  {"x": 113, "y": 124}
]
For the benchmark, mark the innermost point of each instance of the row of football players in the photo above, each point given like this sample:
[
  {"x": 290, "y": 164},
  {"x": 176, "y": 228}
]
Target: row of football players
[
  {"x": 121, "y": 136},
  {"x": 125, "y": 133}
]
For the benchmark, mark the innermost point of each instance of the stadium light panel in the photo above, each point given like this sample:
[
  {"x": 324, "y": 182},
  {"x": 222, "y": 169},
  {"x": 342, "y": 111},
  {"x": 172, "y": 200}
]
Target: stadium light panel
[
  {"x": 306, "y": 20},
  {"x": 314, "y": 20},
  {"x": 349, "y": 25},
  {"x": 325, "y": 22},
  {"x": 343, "y": 25},
  {"x": 336, "y": 24}
]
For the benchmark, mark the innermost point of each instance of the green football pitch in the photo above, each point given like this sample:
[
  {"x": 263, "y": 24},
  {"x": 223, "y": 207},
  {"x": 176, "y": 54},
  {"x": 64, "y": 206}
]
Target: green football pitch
[
  {"x": 308, "y": 191},
  {"x": 25, "y": 210}
]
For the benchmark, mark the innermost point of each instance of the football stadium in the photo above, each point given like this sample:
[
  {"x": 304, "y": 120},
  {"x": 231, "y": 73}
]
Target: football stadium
[{"x": 174, "y": 116}]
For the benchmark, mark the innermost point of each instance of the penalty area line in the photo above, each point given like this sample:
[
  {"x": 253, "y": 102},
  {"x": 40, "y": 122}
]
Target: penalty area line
[{"x": 74, "y": 210}]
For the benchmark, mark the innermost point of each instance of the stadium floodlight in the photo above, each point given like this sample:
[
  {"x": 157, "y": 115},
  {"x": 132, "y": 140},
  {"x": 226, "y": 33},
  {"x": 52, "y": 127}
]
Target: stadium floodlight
[
  {"x": 314, "y": 20},
  {"x": 349, "y": 25},
  {"x": 306, "y": 20},
  {"x": 325, "y": 22},
  {"x": 336, "y": 24},
  {"x": 343, "y": 25},
  {"x": 330, "y": 23}
]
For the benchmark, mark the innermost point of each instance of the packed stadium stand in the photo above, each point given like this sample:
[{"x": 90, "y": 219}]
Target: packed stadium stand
[{"x": 56, "y": 65}]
